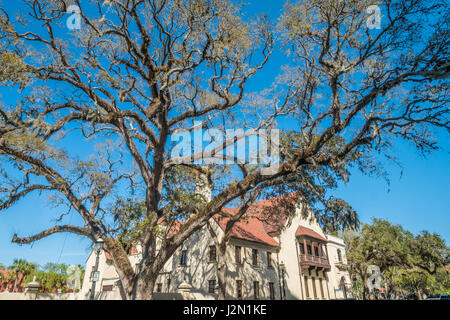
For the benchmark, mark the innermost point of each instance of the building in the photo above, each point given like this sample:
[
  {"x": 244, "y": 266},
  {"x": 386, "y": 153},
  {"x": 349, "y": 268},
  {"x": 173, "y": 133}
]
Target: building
[
  {"x": 8, "y": 282},
  {"x": 287, "y": 257}
]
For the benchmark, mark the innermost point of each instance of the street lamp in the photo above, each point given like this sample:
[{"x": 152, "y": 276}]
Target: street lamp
[{"x": 98, "y": 248}]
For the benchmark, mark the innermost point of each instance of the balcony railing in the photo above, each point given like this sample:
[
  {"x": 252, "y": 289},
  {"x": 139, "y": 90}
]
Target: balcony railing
[
  {"x": 308, "y": 260},
  {"x": 341, "y": 265}
]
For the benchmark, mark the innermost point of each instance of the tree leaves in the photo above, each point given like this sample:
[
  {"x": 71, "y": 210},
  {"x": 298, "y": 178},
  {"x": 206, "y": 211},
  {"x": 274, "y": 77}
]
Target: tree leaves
[{"x": 409, "y": 263}]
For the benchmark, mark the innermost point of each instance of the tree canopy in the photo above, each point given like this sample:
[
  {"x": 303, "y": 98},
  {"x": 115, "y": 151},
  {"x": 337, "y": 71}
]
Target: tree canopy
[{"x": 409, "y": 264}]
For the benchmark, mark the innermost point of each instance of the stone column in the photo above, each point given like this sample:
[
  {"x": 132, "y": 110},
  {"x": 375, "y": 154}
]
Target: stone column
[
  {"x": 185, "y": 290},
  {"x": 32, "y": 289}
]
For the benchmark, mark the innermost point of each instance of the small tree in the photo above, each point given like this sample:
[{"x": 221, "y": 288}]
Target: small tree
[
  {"x": 408, "y": 263},
  {"x": 20, "y": 269}
]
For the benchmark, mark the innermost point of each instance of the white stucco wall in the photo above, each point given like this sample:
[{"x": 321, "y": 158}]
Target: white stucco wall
[
  {"x": 289, "y": 255},
  {"x": 334, "y": 244},
  {"x": 248, "y": 273}
]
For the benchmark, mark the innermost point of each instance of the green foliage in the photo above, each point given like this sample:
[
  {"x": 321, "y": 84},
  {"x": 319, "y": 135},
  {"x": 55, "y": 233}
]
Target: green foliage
[
  {"x": 12, "y": 69},
  {"x": 52, "y": 276},
  {"x": 315, "y": 182},
  {"x": 410, "y": 264},
  {"x": 19, "y": 271}
]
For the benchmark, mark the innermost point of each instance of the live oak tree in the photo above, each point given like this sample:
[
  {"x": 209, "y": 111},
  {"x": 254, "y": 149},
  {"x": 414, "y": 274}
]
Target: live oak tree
[
  {"x": 138, "y": 73},
  {"x": 408, "y": 263}
]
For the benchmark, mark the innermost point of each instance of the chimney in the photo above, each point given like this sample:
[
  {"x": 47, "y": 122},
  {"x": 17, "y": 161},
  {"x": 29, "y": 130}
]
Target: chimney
[{"x": 203, "y": 186}]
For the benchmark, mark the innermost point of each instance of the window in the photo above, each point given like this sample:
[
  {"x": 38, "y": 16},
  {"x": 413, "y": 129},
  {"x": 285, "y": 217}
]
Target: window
[
  {"x": 314, "y": 287},
  {"x": 272, "y": 290},
  {"x": 321, "y": 288},
  {"x": 183, "y": 259},
  {"x": 212, "y": 254},
  {"x": 212, "y": 286},
  {"x": 169, "y": 281},
  {"x": 255, "y": 257},
  {"x": 239, "y": 289},
  {"x": 237, "y": 254},
  {"x": 306, "y": 286},
  {"x": 159, "y": 287},
  {"x": 302, "y": 248},
  {"x": 107, "y": 288},
  {"x": 269, "y": 260},
  {"x": 308, "y": 247},
  {"x": 324, "y": 255},
  {"x": 339, "y": 254},
  {"x": 316, "y": 251},
  {"x": 256, "y": 290}
]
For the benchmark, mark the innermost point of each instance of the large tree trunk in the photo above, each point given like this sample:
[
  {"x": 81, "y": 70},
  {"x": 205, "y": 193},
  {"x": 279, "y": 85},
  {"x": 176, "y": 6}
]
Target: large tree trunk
[
  {"x": 137, "y": 284},
  {"x": 143, "y": 288}
]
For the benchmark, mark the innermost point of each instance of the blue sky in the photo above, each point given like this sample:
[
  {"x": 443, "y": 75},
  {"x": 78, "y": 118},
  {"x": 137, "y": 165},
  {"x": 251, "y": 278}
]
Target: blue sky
[{"x": 416, "y": 198}]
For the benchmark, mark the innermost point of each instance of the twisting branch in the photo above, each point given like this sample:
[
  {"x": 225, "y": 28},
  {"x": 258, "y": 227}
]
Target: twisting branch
[{"x": 56, "y": 229}]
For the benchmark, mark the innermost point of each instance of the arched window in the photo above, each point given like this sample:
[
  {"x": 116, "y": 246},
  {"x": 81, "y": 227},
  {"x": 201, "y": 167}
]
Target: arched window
[{"x": 339, "y": 255}]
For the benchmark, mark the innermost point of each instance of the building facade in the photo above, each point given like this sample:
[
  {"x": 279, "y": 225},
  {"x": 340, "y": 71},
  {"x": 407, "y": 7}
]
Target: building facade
[{"x": 289, "y": 259}]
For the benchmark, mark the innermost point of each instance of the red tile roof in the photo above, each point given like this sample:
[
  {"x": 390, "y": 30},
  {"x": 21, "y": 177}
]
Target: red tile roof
[
  {"x": 250, "y": 229},
  {"x": 8, "y": 284},
  {"x": 175, "y": 226},
  {"x": 302, "y": 231},
  {"x": 261, "y": 222}
]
